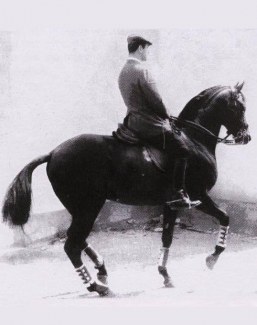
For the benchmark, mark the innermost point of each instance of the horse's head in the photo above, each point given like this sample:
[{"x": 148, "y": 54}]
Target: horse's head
[
  {"x": 216, "y": 106},
  {"x": 232, "y": 114}
]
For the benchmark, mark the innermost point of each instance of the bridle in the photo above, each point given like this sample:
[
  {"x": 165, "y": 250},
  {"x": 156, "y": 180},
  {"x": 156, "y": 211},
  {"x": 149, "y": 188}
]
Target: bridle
[{"x": 202, "y": 129}]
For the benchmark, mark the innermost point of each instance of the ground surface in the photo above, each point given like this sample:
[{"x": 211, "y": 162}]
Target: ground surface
[{"x": 42, "y": 274}]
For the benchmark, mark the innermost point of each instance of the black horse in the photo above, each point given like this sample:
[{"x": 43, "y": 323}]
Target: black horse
[{"x": 88, "y": 169}]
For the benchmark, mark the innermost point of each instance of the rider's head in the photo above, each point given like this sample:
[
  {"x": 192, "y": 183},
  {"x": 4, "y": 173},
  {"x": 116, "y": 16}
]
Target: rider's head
[{"x": 138, "y": 47}]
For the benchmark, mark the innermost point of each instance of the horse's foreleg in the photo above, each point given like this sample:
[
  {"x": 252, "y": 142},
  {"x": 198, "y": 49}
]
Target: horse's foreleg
[
  {"x": 209, "y": 206},
  {"x": 169, "y": 218},
  {"x": 98, "y": 260},
  {"x": 219, "y": 248}
]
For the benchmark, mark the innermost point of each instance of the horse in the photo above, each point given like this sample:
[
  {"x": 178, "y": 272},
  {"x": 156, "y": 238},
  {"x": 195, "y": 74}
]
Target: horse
[{"x": 88, "y": 169}]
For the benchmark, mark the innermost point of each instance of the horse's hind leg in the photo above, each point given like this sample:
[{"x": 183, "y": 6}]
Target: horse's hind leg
[
  {"x": 84, "y": 216},
  {"x": 98, "y": 260},
  {"x": 169, "y": 218}
]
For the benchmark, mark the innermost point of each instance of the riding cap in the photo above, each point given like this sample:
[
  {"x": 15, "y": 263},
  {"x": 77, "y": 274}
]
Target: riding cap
[{"x": 136, "y": 38}]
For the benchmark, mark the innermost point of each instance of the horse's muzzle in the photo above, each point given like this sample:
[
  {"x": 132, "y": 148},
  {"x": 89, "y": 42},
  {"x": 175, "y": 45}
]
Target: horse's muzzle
[{"x": 242, "y": 137}]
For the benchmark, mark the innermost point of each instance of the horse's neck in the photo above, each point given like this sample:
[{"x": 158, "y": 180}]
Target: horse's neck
[{"x": 209, "y": 121}]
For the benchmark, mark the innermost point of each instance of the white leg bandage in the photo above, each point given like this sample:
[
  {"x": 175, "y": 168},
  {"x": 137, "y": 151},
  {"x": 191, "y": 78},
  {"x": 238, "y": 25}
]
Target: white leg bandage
[
  {"x": 222, "y": 236},
  {"x": 163, "y": 257},
  {"x": 85, "y": 275}
]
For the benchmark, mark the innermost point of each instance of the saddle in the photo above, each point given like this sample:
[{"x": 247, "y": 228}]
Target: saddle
[{"x": 151, "y": 153}]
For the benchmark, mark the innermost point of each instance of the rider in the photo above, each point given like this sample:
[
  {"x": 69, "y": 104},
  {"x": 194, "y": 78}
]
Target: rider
[{"x": 148, "y": 119}]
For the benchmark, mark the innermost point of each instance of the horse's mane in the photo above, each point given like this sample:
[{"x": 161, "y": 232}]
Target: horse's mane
[{"x": 191, "y": 110}]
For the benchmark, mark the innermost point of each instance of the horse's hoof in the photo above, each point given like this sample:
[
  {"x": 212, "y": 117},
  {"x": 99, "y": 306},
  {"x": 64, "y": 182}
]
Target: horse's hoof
[
  {"x": 211, "y": 260},
  {"x": 105, "y": 293},
  {"x": 168, "y": 284},
  {"x": 103, "y": 279},
  {"x": 100, "y": 288},
  {"x": 108, "y": 293}
]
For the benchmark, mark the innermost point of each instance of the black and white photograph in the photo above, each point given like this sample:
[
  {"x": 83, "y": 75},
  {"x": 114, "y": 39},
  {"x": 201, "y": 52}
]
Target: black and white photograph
[{"x": 128, "y": 164}]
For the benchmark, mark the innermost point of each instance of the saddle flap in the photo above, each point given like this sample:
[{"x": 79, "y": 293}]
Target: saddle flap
[{"x": 158, "y": 157}]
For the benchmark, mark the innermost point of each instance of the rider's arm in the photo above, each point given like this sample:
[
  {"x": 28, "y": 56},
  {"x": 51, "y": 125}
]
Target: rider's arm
[{"x": 149, "y": 89}]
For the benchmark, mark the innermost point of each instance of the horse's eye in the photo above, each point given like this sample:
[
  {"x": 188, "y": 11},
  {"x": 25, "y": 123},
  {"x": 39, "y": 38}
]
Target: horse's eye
[{"x": 239, "y": 107}]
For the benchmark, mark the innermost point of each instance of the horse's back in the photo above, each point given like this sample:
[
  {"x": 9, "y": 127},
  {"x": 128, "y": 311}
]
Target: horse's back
[{"x": 93, "y": 154}]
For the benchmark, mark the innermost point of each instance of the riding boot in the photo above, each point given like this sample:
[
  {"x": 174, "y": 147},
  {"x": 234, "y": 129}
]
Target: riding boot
[{"x": 180, "y": 199}]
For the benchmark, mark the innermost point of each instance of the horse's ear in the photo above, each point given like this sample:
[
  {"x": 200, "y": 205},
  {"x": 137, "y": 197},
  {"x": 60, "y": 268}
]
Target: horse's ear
[{"x": 239, "y": 86}]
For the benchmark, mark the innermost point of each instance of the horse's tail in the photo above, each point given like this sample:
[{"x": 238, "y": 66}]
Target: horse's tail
[{"x": 17, "y": 203}]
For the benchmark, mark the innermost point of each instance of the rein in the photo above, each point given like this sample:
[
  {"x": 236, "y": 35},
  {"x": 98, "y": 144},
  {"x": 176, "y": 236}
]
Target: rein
[{"x": 202, "y": 129}]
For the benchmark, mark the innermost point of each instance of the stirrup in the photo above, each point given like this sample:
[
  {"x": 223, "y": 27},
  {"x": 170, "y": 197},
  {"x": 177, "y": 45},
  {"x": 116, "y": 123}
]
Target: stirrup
[{"x": 182, "y": 202}]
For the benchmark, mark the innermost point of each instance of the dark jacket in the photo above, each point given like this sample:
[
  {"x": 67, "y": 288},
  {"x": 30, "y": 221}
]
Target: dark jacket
[{"x": 146, "y": 113}]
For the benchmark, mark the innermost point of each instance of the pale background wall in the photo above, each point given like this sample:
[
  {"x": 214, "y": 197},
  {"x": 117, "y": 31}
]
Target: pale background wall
[{"x": 58, "y": 84}]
